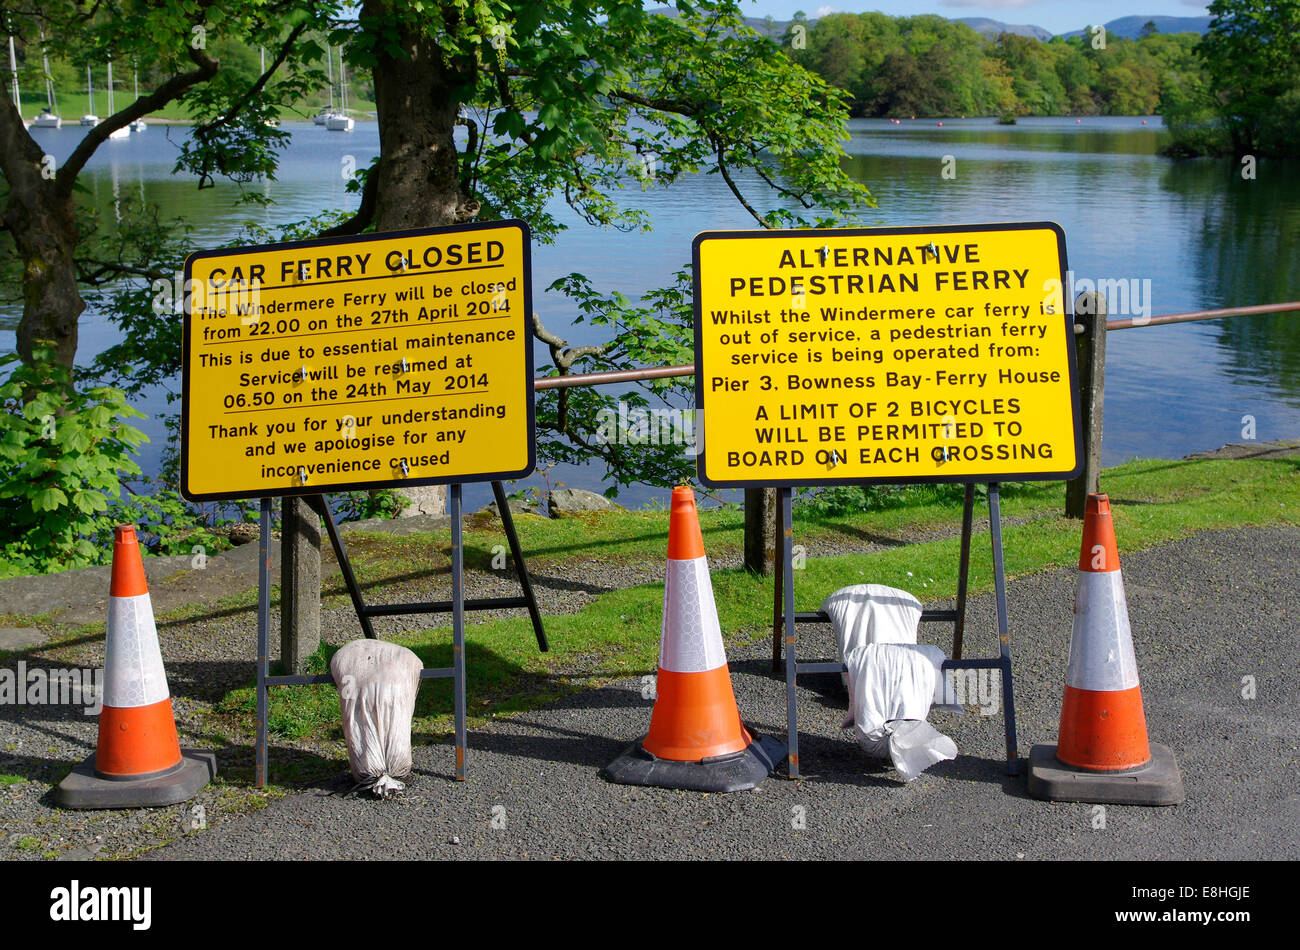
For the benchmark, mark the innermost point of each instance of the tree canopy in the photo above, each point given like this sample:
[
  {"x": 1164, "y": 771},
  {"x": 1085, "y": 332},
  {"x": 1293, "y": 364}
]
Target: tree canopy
[
  {"x": 931, "y": 66},
  {"x": 487, "y": 109}
]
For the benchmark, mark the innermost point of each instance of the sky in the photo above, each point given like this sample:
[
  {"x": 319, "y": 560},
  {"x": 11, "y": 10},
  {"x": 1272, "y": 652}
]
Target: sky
[{"x": 1059, "y": 16}]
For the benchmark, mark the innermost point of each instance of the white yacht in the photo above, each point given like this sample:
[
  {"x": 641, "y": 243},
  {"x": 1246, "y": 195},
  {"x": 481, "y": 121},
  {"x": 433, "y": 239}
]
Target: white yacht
[
  {"x": 340, "y": 121},
  {"x": 139, "y": 125},
  {"x": 90, "y": 119},
  {"x": 323, "y": 116},
  {"x": 49, "y": 117}
]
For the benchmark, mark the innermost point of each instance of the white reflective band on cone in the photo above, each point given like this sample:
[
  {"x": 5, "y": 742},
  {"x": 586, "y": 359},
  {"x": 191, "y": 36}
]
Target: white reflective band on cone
[
  {"x": 1101, "y": 644},
  {"x": 690, "y": 640},
  {"x": 133, "y": 667}
]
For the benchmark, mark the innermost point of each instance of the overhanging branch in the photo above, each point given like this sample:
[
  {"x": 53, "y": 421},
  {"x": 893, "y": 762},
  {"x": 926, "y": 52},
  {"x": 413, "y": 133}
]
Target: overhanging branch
[{"x": 172, "y": 89}]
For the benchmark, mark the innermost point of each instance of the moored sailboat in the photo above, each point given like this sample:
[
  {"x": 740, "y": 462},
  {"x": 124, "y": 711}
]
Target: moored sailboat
[
  {"x": 139, "y": 125},
  {"x": 125, "y": 131},
  {"x": 49, "y": 117},
  {"x": 90, "y": 119},
  {"x": 340, "y": 121}
]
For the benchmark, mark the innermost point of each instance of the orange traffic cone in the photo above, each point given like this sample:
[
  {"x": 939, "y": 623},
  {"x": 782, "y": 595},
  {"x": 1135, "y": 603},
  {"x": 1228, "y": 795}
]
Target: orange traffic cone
[
  {"x": 1103, "y": 754},
  {"x": 138, "y": 760},
  {"x": 696, "y": 739}
]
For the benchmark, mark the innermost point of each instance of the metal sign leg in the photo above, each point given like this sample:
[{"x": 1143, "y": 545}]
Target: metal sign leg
[
  {"x": 345, "y": 564},
  {"x": 263, "y": 637},
  {"x": 963, "y": 572},
  {"x": 1004, "y": 635},
  {"x": 525, "y": 582},
  {"x": 778, "y": 589},
  {"x": 791, "y": 701},
  {"x": 458, "y": 629}
]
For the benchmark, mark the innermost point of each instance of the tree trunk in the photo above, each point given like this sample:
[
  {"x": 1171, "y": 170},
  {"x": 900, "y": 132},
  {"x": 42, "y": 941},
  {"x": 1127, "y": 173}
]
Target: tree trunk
[
  {"x": 42, "y": 219},
  {"x": 418, "y": 174}
]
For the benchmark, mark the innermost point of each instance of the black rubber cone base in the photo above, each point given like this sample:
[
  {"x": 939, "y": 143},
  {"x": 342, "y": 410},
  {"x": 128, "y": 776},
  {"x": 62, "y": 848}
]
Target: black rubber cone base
[
  {"x": 727, "y": 773},
  {"x": 1157, "y": 783},
  {"x": 85, "y": 789}
]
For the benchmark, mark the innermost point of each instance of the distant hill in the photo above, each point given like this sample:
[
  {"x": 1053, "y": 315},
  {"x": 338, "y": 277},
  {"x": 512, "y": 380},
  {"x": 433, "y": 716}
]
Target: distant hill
[
  {"x": 993, "y": 27},
  {"x": 1128, "y": 27}
]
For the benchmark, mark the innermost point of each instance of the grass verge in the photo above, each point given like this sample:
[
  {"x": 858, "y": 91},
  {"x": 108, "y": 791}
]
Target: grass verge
[{"x": 617, "y": 635}]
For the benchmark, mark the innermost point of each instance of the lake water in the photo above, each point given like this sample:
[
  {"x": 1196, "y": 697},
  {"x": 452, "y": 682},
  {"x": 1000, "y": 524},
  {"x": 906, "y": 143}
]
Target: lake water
[{"x": 1194, "y": 235}]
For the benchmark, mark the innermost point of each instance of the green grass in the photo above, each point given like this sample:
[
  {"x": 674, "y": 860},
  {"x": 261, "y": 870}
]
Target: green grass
[
  {"x": 617, "y": 635},
  {"x": 6, "y": 779}
]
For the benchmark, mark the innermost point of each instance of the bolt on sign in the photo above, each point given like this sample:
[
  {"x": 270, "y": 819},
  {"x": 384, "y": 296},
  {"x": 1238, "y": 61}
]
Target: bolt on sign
[
  {"x": 885, "y": 355},
  {"x": 393, "y": 359}
]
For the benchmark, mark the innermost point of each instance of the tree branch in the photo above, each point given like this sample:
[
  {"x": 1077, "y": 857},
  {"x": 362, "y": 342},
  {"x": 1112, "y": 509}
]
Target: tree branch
[
  {"x": 726, "y": 176},
  {"x": 257, "y": 87},
  {"x": 172, "y": 89},
  {"x": 563, "y": 354}
]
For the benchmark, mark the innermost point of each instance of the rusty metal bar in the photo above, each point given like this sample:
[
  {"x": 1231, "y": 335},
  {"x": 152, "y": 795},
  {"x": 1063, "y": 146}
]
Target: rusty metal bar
[
  {"x": 1131, "y": 322},
  {"x": 612, "y": 376},
  {"x": 688, "y": 369}
]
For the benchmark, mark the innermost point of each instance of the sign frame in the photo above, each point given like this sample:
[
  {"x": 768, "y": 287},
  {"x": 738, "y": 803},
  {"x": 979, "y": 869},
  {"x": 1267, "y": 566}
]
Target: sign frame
[
  {"x": 397, "y": 483},
  {"x": 980, "y": 477}
]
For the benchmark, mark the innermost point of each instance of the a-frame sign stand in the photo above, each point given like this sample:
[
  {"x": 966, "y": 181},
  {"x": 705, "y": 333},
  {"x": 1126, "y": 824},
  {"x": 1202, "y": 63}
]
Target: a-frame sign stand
[
  {"x": 456, "y": 606},
  {"x": 786, "y": 618},
  {"x": 290, "y": 374},
  {"x": 886, "y": 356}
]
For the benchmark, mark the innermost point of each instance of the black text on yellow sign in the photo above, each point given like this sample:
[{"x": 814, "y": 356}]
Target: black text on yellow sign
[
  {"x": 402, "y": 358},
  {"x": 884, "y": 355}
]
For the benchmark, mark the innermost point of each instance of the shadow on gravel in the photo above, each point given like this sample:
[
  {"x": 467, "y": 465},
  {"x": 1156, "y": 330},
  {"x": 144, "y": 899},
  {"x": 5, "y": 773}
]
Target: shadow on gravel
[
  {"x": 881, "y": 540},
  {"x": 296, "y": 769},
  {"x": 250, "y": 610},
  {"x": 569, "y": 746},
  {"x": 517, "y": 737},
  {"x": 974, "y": 768},
  {"x": 36, "y": 769},
  {"x": 209, "y": 680}
]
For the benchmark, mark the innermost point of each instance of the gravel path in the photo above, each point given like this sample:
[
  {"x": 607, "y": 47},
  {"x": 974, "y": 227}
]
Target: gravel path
[{"x": 1206, "y": 611}]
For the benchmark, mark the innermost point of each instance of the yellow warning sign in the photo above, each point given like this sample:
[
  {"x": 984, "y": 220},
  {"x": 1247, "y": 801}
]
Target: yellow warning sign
[
  {"x": 886, "y": 355},
  {"x": 394, "y": 359}
]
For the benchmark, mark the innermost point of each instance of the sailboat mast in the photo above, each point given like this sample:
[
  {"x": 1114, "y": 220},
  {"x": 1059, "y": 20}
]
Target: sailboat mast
[
  {"x": 343, "y": 85},
  {"x": 110, "y": 87},
  {"x": 13, "y": 68},
  {"x": 329, "y": 72},
  {"x": 49, "y": 80},
  {"x": 90, "y": 91}
]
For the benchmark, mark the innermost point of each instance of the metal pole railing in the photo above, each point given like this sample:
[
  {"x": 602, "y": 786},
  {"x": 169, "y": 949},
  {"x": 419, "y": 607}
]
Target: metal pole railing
[
  {"x": 610, "y": 377},
  {"x": 1266, "y": 308},
  {"x": 1091, "y": 358}
]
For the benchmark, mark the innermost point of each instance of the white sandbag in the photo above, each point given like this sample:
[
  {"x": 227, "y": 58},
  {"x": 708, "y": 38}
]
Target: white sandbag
[
  {"x": 377, "y": 683},
  {"x": 915, "y": 745},
  {"x": 871, "y": 613},
  {"x": 891, "y": 689}
]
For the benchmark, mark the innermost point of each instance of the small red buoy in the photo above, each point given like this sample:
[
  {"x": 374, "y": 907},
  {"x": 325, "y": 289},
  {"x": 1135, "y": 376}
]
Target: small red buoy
[{"x": 941, "y": 125}]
